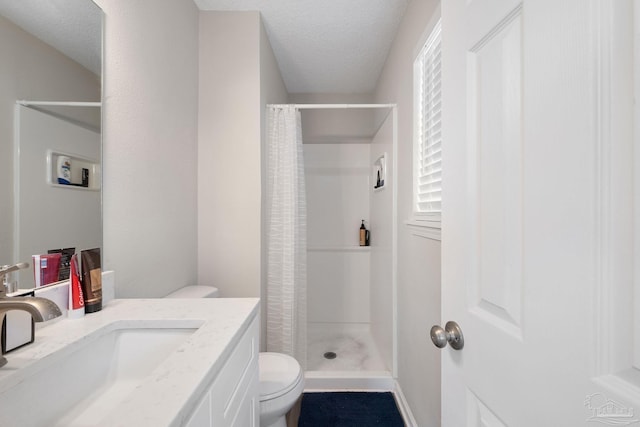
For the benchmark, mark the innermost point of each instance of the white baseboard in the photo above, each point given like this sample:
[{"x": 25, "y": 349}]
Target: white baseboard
[{"x": 403, "y": 406}]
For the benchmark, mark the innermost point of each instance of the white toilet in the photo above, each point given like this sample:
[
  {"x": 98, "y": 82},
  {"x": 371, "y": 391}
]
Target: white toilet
[
  {"x": 281, "y": 384},
  {"x": 281, "y": 377}
]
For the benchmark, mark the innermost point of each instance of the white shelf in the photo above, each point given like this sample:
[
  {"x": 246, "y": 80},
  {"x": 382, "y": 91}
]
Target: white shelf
[
  {"x": 376, "y": 189},
  {"x": 380, "y": 172},
  {"x": 77, "y": 164}
]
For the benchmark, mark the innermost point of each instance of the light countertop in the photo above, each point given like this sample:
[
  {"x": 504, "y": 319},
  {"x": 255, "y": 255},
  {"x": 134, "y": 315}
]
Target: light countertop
[{"x": 169, "y": 395}]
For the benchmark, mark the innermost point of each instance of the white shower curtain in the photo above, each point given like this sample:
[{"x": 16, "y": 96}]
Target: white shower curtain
[{"x": 286, "y": 223}]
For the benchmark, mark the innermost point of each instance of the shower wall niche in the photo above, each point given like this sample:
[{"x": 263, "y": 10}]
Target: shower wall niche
[{"x": 350, "y": 298}]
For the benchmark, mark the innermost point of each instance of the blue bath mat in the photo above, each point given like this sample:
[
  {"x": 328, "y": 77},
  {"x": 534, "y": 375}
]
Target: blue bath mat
[{"x": 349, "y": 409}]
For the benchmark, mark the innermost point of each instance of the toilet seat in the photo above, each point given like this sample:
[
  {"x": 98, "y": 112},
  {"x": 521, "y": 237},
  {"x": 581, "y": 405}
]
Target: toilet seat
[{"x": 279, "y": 374}]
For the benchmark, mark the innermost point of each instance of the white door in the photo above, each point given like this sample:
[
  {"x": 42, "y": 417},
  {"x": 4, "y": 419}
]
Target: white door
[{"x": 537, "y": 239}]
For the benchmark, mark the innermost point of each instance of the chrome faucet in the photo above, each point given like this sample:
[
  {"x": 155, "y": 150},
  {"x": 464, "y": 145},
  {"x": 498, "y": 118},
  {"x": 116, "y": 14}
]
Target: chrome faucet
[{"x": 41, "y": 309}]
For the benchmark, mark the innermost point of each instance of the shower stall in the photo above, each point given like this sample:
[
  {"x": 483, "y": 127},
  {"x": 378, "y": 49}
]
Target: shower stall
[{"x": 349, "y": 171}]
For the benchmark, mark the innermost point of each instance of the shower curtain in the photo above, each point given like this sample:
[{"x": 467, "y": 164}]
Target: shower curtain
[{"x": 286, "y": 225}]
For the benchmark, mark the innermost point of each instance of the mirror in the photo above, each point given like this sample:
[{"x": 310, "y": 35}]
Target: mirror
[{"x": 51, "y": 51}]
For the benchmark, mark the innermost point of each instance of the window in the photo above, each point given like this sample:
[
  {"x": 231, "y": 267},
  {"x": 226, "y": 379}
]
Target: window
[{"x": 427, "y": 176}]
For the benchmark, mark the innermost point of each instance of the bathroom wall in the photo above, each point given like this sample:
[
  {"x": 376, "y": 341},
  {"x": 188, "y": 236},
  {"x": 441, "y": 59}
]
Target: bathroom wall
[
  {"x": 337, "y": 183},
  {"x": 150, "y": 144},
  {"x": 229, "y": 154},
  {"x": 238, "y": 77},
  {"x": 30, "y": 69},
  {"x": 418, "y": 257},
  {"x": 158, "y": 127},
  {"x": 335, "y": 125},
  {"x": 381, "y": 205}
]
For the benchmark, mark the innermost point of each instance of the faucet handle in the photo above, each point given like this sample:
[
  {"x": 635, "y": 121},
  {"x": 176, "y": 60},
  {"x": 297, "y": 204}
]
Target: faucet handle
[
  {"x": 6, "y": 269},
  {"x": 9, "y": 268}
]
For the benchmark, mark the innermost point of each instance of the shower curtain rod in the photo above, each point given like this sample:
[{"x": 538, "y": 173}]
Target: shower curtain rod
[
  {"x": 58, "y": 103},
  {"x": 329, "y": 106}
]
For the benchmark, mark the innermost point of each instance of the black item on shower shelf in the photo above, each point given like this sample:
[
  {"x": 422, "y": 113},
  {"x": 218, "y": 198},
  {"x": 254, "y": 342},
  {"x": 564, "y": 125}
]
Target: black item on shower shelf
[
  {"x": 85, "y": 177},
  {"x": 65, "y": 261}
]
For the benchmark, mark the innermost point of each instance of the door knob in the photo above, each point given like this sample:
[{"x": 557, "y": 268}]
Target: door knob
[{"x": 451, "y": 334}]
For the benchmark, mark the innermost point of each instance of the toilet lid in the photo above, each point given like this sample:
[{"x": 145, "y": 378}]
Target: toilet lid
[{"x": 279, "y": 373}]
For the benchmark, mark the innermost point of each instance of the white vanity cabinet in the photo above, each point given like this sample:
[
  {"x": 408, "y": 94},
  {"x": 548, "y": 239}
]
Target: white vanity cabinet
[{"x": 232, "y": 398}]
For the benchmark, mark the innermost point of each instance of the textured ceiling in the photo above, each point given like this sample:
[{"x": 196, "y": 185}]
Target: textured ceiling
[
  {"x": 322, "y": 46},
  {"x": 71, "y": 26},
  {"x": 325, "y": 46}
]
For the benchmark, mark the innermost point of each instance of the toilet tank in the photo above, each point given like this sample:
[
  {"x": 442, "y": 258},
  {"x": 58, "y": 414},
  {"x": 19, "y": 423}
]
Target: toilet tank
[{"x": 195, "y": 291}]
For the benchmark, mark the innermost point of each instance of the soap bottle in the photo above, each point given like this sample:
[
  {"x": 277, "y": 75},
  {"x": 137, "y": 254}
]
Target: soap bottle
[
  {"x": 363, "y": 234},
  {"x": 64, "y": 170}
]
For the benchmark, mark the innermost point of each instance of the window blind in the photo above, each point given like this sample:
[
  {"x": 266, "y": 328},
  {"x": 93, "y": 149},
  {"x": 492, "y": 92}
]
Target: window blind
[{"x": 428, "y": 173}]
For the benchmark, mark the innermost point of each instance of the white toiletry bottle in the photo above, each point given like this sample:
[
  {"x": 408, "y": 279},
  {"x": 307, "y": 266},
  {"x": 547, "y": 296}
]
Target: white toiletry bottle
[{"x": 64, "y": 170}]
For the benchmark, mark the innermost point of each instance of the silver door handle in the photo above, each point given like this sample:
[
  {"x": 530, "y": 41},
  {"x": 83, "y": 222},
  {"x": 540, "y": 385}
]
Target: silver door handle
[{"x": 451, "y": 334}]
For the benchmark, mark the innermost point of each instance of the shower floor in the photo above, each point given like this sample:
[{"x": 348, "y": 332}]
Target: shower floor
[{"x": 352, "y": 344}]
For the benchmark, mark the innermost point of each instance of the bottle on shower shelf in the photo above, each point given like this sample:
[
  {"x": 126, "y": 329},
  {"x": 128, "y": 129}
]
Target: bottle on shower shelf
[
  {"x": 363, "y": 234},
  {"x": 64, "y": 170}
]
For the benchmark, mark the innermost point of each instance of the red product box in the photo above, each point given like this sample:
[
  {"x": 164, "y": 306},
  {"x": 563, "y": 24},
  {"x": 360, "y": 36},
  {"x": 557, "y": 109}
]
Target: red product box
[{"x": 46, "y": 268}]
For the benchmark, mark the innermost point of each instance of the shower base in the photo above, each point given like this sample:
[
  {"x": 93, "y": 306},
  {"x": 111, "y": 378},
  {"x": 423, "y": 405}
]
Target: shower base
[{"x": 357, "y": 364}]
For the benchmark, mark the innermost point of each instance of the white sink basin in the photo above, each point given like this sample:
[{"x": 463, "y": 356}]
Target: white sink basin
[
  {"x": 137, "y": 362},
  {"x": 82, "y": 384}
]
